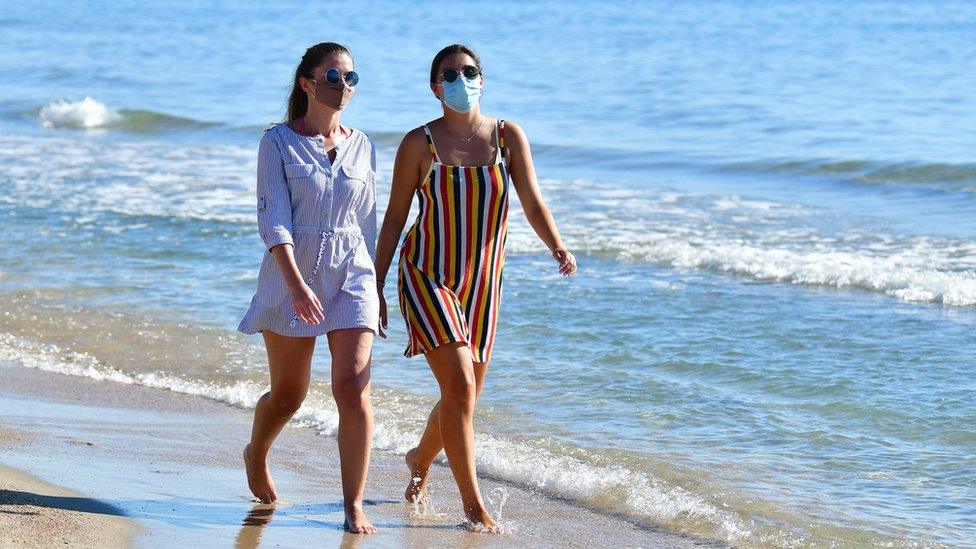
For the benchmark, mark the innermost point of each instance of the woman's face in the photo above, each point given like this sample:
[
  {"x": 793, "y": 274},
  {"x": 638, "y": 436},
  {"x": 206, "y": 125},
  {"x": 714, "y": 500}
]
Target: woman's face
[
  {"x": 321, "y": 93},
  {"x": 456, "y": 61}
]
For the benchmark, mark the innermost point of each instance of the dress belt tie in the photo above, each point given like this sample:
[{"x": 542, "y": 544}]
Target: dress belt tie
[{"x": 325, "y": 233}]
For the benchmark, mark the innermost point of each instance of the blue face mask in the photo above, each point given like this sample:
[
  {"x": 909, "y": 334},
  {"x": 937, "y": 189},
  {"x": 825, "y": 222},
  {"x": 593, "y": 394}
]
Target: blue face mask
[{"x": 462, "y": 94}]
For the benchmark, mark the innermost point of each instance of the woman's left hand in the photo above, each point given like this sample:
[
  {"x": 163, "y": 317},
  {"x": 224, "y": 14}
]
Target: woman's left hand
[
  {"x": 566, "y": 260},
  {"x": 383, "y": 317}
]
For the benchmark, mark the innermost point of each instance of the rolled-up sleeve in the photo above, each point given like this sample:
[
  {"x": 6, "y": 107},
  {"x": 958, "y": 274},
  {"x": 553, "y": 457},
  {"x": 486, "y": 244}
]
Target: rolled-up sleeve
[{"x": 274, "y": 199}]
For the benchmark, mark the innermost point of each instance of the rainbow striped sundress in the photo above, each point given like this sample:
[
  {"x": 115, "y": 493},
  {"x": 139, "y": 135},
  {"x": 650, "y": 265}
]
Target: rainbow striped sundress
[{"x": 451, "y": 261}]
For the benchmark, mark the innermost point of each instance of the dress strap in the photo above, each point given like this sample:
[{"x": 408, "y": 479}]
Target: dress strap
[
  {"x": 430, "y": 144},
  {"x": 500, "y": 139}
]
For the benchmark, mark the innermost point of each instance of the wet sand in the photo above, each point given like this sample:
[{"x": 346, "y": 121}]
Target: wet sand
[{"x": 171, "y": 462}]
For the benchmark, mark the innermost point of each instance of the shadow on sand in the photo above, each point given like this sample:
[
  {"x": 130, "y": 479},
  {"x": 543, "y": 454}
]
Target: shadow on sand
[{"x": 68, "y": 503}]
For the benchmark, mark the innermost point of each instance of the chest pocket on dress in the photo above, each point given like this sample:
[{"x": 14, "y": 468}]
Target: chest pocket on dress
[
  {"x": 351, "y": 184},
  {"x": 300, "y": 175}
]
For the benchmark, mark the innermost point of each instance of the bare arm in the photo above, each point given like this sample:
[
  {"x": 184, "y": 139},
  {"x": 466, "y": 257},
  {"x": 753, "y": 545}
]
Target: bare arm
[
  {"x": 410, "y": 160},
  {"x": 526, "y": 185}
]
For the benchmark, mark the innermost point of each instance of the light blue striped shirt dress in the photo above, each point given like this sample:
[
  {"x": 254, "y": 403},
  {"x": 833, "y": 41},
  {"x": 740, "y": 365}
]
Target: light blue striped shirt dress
[{"x": 327, "y": 211}]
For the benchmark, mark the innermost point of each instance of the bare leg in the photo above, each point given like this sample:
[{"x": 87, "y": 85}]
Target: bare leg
[
  {"x": 351, "y": 350},
  {"x": 419, "y": 459},
  {"x": 452, "y": 366},
  {"x": 290, "y": 361}
]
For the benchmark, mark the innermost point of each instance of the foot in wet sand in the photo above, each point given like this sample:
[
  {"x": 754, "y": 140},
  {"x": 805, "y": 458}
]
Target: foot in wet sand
[
  {"x": 357, "y": 523},
  {"x": 416, "y": 491},
  {"x": 482, "y": 523},
  {"x": 259, "y": 478}
]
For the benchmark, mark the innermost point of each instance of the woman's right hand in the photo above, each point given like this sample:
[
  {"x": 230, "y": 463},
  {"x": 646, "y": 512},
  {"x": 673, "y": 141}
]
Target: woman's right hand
[{"x": 307, "y": 305}]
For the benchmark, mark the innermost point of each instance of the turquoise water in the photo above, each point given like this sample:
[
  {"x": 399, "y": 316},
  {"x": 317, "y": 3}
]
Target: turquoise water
[{"x": 771, "y": 339}]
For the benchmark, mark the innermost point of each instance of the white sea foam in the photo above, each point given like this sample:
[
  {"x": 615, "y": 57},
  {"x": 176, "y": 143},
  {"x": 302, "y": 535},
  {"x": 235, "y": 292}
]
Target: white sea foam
[
  {"x": 212, "y": 183},
  {"x": 616, "y": 489},
  {"x": 761, "y": 240},
  {"x": 891, "y": 275},
  {"x": 84, "y": 114}
]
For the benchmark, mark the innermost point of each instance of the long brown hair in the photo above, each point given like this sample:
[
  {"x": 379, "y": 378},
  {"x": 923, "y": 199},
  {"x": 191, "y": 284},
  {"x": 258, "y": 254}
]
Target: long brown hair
[{"x": 298, "y": 100}]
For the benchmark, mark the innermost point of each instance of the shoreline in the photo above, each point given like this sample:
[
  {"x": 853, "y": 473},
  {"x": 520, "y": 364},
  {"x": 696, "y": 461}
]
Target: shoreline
[{"x": 169, "y": 461}]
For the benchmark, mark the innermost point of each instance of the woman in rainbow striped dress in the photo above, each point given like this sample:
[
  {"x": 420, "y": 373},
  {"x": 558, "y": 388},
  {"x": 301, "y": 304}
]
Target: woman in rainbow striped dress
[{"x": 451, "y": 261}]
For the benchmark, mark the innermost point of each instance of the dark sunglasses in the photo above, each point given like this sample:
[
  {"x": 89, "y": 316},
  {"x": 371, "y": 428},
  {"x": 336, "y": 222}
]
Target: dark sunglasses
[
  {"x": 469, "y": 71},
  {"x": 332, "y": 76}
]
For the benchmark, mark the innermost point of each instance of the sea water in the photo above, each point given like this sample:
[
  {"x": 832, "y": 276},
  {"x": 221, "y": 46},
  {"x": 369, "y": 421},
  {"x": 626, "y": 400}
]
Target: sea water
[{"x": 771, "y": 339}]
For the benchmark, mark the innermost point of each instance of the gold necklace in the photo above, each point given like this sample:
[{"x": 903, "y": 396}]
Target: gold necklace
[{"x": 470, "y": 137}]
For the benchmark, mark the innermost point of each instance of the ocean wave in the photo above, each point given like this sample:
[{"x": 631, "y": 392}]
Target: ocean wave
[
  {"x": 130, "y": 179},
  {"x": 763, "y": 240},
  {"x": 838, "y": 269},
  {"x": 91, "y": 114},
  {"x": 948, "y": 176},
  {"x": 570, "y": 474},
  {"x": 84, "y": 114},
  {"x": 939, "y": 175}
]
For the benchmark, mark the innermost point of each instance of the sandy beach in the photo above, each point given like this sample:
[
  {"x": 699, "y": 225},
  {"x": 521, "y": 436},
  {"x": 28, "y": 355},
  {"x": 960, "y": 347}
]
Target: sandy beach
[
  {"x": 34, "y": 513},
  {"x": 152, "y": 468}
]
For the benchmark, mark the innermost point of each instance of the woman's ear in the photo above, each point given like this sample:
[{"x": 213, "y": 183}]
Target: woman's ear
[{"x": 435, "y": 89}]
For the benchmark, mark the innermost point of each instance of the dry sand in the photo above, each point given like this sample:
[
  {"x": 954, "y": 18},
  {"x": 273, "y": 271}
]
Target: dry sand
[
  {"x": 171, "y": 462},
  {"x": 34, "y": 513}
]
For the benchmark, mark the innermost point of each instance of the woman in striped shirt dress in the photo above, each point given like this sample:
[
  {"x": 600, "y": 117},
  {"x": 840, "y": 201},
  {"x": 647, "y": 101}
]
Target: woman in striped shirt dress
[
  {"x": 450, "y": 270},
  {"x": 316, "y": 206}
]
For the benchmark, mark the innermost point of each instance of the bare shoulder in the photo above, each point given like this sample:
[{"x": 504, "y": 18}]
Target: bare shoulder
[
  {"x": 412, "y": 153},
  {"x": 514, "y": 134},
  {"x": 515, "y": 138},
  {"x": 511, "y": 126},
  {"x": 414, "y": 142}
]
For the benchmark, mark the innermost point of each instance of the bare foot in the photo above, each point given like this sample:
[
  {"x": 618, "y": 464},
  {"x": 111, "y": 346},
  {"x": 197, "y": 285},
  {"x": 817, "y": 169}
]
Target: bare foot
[
  {"x": 482, "y": 523},
  {"x": 357, "y": 523},
  {"x": 416, "y": 491},
  {"x": 259, "y": 478}
]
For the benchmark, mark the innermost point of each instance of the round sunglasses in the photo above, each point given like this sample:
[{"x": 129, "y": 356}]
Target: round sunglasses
[
  {"x": 451, "y": 74},
  {"x": 333, "y": 77}
]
